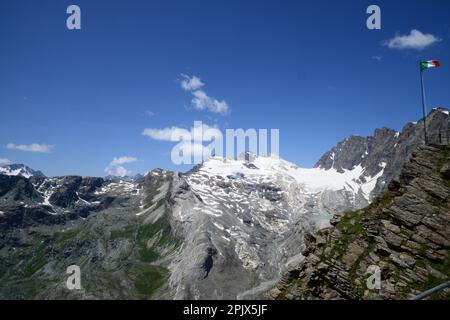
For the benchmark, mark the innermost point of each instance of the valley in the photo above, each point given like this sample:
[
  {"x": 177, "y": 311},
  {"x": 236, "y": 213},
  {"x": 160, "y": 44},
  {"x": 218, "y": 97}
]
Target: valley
[{"x": 227, "y": 229}]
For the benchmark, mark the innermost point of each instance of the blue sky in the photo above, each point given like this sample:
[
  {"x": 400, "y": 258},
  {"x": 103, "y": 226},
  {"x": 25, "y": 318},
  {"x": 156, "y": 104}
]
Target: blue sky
[{"x": 310, "y": 68}]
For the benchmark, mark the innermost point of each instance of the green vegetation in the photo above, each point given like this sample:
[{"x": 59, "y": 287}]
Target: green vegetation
[
  {"x": 431, "y": 283},
  {"x": 445, "y": 154},
  {"x": 351, "y": 222},
  {"x": 63, "y": 236},
  {"x": 150, "y": 279},
  {"x": 437, "y": 202},
  {"x": 383, "y": 201},
  {"x": 160, "y": 234},
  {"x": 361, "y": 287},
  {"x": 351, "y": 226},
  {"x": 128, "y": 233},
  {"x": 37, "y": 262},
  {"x": 443, "y": 267},
  {"x": 3, "y": 271},
  {"x": 149, "y": 238}
]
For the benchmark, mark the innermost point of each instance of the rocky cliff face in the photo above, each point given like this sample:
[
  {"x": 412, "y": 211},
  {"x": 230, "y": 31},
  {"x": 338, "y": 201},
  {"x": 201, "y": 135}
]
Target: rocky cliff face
[
  {"x": 387, "y": 149},
  {"x": 405, "y": 233},
  {"x": 228, "y": 228}
]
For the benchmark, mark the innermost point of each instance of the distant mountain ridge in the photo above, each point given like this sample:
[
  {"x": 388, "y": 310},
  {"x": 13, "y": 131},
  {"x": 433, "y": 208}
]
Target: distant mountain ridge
[
  {"x": 226, "y": 229},
  {"x": 20, "y": 170},
  {"x": 136, "y": 178},
  {"x": 387, "y": 147}
]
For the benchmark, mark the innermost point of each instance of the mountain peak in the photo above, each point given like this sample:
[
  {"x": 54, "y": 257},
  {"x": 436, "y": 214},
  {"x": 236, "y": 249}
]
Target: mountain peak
[
  {"x": 386, "y": 147},
  {"x": 400, "y": 234},
  {"x": 135, "y": 178},
  {"x": 19, "y": 169}
]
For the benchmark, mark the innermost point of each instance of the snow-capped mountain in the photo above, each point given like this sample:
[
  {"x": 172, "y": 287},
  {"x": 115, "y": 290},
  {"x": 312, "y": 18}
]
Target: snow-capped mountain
[
  {"x": 252, "y": 216},
  {"x": 246, "y": 218},
  {"x": 135, "y": 178},
  {"x": 406, "y": 232},
  {"x": 228, "y": 228},
  {"x": 19, "y": 170},
  {"x": 387, "y": 148}
]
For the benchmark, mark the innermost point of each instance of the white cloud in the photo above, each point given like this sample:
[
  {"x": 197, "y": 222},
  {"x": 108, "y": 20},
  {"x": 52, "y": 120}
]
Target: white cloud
[
  {"x": 190, "y": 141},
  {"x": 194, "y": 149},
  {"x": 117, "y": 171},
  {"x": 201, "y": 100},
  {"x": 174, "y": 134},
  {"x": 35, "y": 147},
  {"x": 191, "y": 83},
  {"x": 122, "y": 160},
  {"x": 166, "y": 134},
  {"x": 116, "y": 168},
  {"x": 4, "y": 161},
  {"x": 378, "y": 58},
  {"x": 415, "y": 40}
]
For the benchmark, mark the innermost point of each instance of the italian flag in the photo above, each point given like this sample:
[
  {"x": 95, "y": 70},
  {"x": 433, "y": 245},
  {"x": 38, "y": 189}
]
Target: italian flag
[{"x": 427, "y": 64}]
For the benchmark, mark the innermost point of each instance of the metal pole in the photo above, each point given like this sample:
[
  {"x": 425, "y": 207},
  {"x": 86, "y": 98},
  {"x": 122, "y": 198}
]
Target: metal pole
[
  {"x": 431, "y": 291},
  {"x": 423, "y": 108}
]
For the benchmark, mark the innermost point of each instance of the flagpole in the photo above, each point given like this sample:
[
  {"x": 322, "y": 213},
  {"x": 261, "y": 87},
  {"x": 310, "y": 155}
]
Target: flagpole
[{"x": 423, "y": 106}]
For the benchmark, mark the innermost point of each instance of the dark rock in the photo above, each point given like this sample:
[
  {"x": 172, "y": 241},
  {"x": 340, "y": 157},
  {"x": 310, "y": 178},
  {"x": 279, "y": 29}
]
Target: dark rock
[
  {"x": 445, "y": 170},
  {"x": 66, "y": 193},
  {"x": 404, "y": 237}
]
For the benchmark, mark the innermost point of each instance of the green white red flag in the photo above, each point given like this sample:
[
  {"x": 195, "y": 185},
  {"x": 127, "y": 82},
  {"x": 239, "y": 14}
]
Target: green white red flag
[{"x": 427, "y": 64}]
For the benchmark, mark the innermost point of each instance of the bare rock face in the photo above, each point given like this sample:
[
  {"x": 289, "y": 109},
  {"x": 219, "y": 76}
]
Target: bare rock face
[
  {"x": 345, "y": 155},
  {"x": 16, "y": 188},
  {"x": 387, "y": 149},
  {"x": 405, "y": 233},
  {"x": 228, "y": 228}
]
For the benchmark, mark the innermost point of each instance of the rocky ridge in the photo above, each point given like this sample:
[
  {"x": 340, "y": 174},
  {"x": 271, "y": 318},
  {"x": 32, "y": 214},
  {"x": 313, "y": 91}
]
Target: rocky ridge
[
  {"x": 387, "y": 147},
  {"x": 227, "y": 229},
  {"x": 405, "y": 233}
]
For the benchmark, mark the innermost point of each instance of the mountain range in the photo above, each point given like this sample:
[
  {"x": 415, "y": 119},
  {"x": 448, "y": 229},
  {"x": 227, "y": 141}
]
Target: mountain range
[
  {"x": 404, "y": 236},
  {"x": 227, "y": 229},
  {"x": 19, "y": 170}
]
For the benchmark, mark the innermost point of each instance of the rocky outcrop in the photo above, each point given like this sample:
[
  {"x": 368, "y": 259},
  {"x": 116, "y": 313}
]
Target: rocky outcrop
[
  {"x": 16, "y": 188},
  {"x": 65, "y": 194},
  {"x": 387, "y": 149},
  {"x": 122, "y": 241},
  {"x": 227, "y": 229},
  {"x": 405, "y": 234}
]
